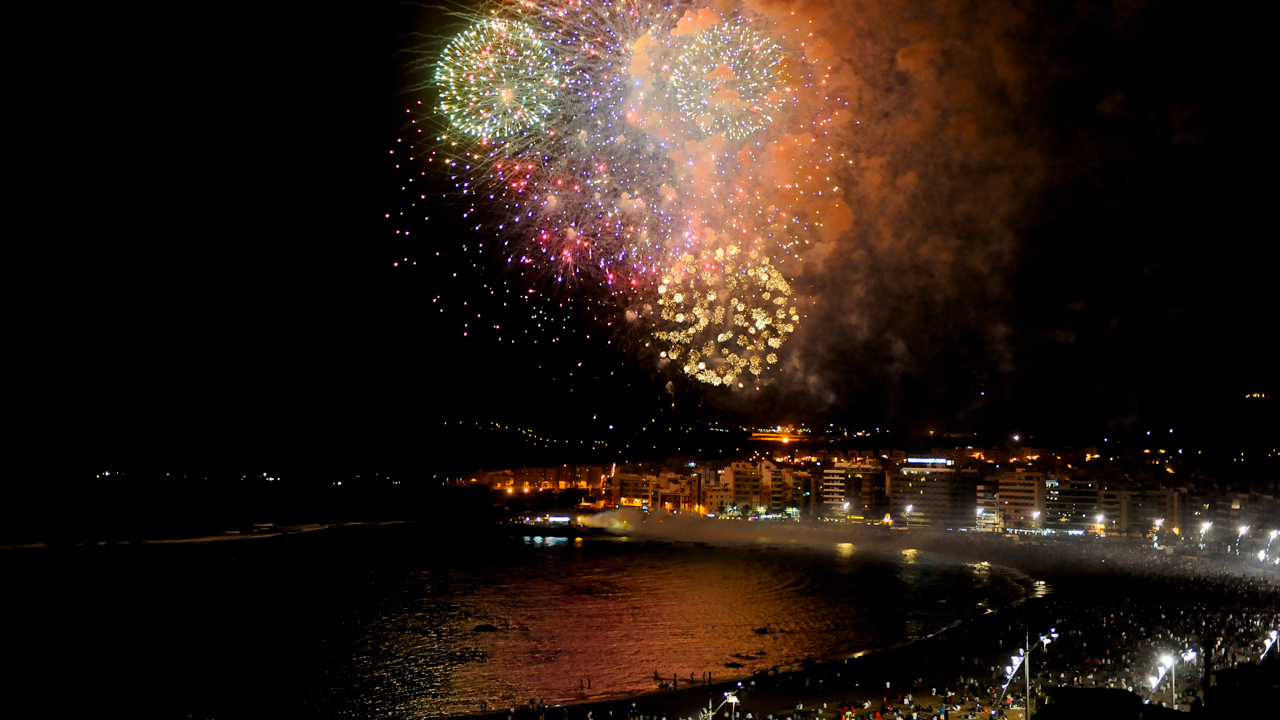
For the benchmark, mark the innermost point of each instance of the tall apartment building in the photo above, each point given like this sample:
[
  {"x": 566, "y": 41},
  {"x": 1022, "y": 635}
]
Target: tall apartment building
[
  {"x": 834, "y": 491},
  {"x": 634, "y": 489},
  {"x": 988, "y": 511},
  {"x": 854, "y": 490},
  {"x": 744, "y": 481},
  {"x": 866, "y": 487},
  {"x": 1021, "y": 495},
  {"x": 782, "y": 489},
  {"x": 1071, "y": 505},
  {"x": 926, "y": 493},
  {"x": 714, "y": 494},
  {"x": 1112, "y": 505},
  {"x": 775, "y": 491},
  {"x": 675, "y": 492},
  {"x": 1142, "y": 507}
]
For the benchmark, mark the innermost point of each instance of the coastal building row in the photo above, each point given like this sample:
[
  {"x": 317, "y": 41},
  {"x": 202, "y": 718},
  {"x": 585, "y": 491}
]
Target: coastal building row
[{"x": 937, "y": 491}]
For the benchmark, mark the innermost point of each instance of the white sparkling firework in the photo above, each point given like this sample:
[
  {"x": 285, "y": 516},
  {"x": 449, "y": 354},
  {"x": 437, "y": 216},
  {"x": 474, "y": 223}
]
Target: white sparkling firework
[
  {"x": 497, "y": 79},
  {"x": 726, "y": 81}
]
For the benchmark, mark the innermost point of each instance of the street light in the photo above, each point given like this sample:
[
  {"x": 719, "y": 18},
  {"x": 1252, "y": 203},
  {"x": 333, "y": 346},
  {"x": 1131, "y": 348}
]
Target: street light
[
  {"x": 1173, "y": 680},
  {"x": 730, "y": 697},
  {"x": 1035, "y": 517},
  {"x": 1023, "y": 659}
]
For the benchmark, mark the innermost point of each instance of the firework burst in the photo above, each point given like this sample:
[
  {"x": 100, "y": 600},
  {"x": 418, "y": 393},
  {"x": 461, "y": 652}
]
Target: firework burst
[
  {"x": 726, "y": 81},
  {"x": 632, "y": 148},
  {"x": 497, "y": 79}
]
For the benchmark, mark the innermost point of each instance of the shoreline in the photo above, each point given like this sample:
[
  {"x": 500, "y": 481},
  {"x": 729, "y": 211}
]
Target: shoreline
[
  {"x": 667, "y": 699},
  {"x": 813, "y": 684}
]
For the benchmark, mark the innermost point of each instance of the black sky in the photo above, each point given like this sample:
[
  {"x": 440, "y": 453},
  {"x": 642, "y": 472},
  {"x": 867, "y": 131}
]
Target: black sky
[{"x": 237, "y": 297}]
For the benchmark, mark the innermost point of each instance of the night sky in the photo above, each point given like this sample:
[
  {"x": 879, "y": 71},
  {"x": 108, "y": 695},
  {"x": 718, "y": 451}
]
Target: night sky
[{"x": 1066, "y": 235}]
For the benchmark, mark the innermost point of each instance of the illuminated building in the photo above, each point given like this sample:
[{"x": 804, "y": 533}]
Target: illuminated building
[
  {"x": 675, "y": 492},
  {"x": 717, "y": 499},
  {"x": 1141, "y": 507},
  {"x": 853, "y": 490},
  {"x": 744, "y": 481},
  {"x": 1021, "y": 495},
  {"x": 939, "y": 494},
  {"x": 1071, "y": 505},
  {"x": 988, "y": 508},
  {"x": 799, "y": 488},
  {"x": 778, "y": 489},
  {"x": 834, "y": 491},
  {"x": 635, "y": 490}
]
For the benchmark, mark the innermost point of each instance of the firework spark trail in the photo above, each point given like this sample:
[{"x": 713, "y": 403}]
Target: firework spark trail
[{"x": 675, "y": 157}]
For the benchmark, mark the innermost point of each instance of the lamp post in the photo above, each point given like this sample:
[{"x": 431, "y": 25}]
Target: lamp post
[
  {"x": 1173, "y": 680},
  {"x": 1023, "y": 660},
  {"x": 1026, "y": 671},
  {"x": 1187, "y": 657},
  {"x": 1035, "y": 520},
  {"x": 730, "y": 697}
]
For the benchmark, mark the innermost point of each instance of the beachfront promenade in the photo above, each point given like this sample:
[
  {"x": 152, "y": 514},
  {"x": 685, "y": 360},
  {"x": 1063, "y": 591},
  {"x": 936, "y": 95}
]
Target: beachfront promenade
[{"x": 1122, "y": 611}]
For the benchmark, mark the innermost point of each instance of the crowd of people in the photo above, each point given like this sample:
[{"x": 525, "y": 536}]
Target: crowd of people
[
  {"x": 1123, "y": 611},
  {"x": 1118, "y": 613}
]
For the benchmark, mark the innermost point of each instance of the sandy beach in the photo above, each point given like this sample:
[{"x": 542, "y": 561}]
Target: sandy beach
[
  {"x": 1108, "y": 638},
  {"x": 923, "y": 669}
]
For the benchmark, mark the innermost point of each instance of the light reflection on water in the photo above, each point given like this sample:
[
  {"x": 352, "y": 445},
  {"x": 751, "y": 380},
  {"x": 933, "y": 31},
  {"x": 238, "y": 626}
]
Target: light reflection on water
[{"x": 532, "y": 617}]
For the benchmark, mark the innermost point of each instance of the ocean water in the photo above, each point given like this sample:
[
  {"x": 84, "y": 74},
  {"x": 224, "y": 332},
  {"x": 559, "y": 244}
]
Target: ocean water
[{"x": 372, "y": 621}]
